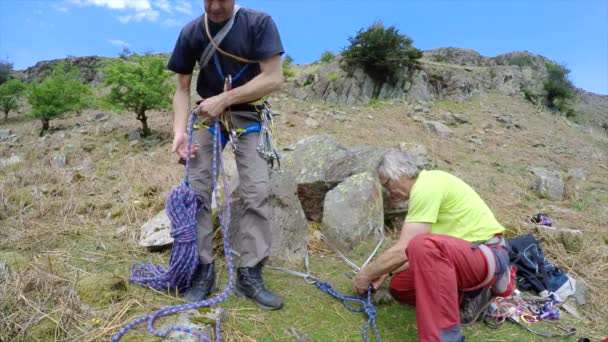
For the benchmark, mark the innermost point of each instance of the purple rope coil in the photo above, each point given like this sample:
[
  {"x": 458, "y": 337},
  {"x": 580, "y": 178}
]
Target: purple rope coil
[{"x": 182, "y": 207}]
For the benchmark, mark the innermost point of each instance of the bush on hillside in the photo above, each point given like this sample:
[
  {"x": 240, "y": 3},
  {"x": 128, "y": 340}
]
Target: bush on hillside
[
  {"x": 62, "y": 91},
  {"x": 139, "y": 84},
  {"x": 6, "y": 68},
  {"x": 11, "y": 92},
  {"x": 327, "y": 57},
  {"x": 559, "y": 90},
  {"x": 287, "y": 66},
  {"x": 381, "y": 52}
]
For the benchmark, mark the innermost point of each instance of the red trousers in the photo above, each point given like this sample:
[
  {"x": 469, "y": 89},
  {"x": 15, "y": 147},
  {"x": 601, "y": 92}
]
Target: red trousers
[{"x": 439, "y": 265}]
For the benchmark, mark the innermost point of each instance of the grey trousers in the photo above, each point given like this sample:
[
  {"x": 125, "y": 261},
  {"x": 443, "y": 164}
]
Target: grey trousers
[{"x": 254, "y": 223}]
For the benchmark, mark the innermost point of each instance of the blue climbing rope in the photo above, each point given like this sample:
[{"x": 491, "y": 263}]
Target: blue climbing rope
[
  {"x": 184, "y": 223},
  {"x": 366, "y": 306}
]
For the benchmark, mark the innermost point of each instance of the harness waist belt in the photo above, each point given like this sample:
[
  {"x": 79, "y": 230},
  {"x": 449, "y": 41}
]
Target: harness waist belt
[{"x": 499, "y": 271}]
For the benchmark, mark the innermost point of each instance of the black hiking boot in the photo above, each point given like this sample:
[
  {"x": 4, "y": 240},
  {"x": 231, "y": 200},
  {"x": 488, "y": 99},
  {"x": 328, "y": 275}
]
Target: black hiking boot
[
  {"x": 249, "y": 283},
  {"x": 474, "y": 307},
  {"x": 203, "y": 283}
]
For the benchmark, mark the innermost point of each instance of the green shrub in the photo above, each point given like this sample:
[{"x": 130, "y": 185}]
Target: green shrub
[
  {"x": 559, "y": 90},
  {"x": 6, "y": 68},
  {"x": 287, "y": 66},
  {"x": 521, "y": 61},
  {"x": 10, "y": 93},
  {"x": 439, "y": 58},
  {"x": 381, "y": 52},
  {"x": 139, "y": 84},
  {"x": 333, "y": 76},
  {"x": 60, "y": 92},
  {"x": 327, "y": 56}
]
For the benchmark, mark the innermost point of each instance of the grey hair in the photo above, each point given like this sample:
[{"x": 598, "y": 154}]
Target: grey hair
[{"x": 396, "y": 164}]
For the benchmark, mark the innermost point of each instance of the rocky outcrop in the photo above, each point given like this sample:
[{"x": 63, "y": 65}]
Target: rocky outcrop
[
  {"x": 91, "y": 68},
  {"x": 445, "y": 72}
]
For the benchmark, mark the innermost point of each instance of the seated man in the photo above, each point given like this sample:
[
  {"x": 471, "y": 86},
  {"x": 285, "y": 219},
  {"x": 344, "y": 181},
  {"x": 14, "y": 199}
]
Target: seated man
[{"x": 440, "y": 261}]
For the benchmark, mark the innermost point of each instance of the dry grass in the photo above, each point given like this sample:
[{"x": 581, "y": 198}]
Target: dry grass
[{"x": 84, "y": 219}]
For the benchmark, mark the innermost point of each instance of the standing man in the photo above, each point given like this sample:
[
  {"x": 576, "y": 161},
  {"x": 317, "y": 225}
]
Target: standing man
[
  {"x": 247, "y": 49},
  {"x": 450, "y": 251}
]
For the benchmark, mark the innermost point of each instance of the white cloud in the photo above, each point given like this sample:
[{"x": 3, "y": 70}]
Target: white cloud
[
  {"x": 140, "y": 10},
  {"x": 137, "y": 5},
  {"x": 118, "y": 42},
  {"x": 183, "y": 7},
  {"x": 172, "y": 22},
  {"x": 163, "y": 5}
]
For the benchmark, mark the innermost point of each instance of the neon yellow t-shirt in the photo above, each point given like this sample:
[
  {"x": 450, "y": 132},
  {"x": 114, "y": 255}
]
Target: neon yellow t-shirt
[{"x": 452, "y": 207}]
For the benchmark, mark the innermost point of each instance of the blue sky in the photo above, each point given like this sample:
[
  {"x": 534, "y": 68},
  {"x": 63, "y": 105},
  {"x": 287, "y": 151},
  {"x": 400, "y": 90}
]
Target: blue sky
[{"x": 573, "y": 32}]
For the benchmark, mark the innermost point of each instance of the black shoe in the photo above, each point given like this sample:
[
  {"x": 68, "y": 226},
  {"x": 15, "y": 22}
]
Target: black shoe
[
  {"x": 472, "y": 308},
  {"x": 203, "y": 283},
  {"x": 249, "y": 283}
]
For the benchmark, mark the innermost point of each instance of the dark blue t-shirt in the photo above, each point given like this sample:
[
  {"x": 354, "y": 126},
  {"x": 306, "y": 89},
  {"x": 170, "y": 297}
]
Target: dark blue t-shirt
[{"x": 253, "y": 36}]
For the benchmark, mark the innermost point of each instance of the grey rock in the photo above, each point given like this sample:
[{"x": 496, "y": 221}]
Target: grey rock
[
  {"x": 461, "y": 119},
  {"x": 185, "y": 319},
  {"x": 99, "y": 117},
  {"x": 311, "y": 157},
  {"x": 357, "y": 160},
  {"x": 548, "y": 184},
  {"x": 12, "y": 160},
  {"x": 5, "y": 134},
  {"x": 59, "y": 160},
  {"x": 156, "y": 232},
  {"x": 351, "y": 208},
  {"x": 438, "y": 128},
  {"x": 134, "y": 135},
  {"x": 312, "y": 123}
]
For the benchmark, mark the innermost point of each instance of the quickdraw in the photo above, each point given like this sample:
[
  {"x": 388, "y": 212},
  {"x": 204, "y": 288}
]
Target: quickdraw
[
  {"x": 524, "y": 313},
  {"x": 266, "y": 146}
]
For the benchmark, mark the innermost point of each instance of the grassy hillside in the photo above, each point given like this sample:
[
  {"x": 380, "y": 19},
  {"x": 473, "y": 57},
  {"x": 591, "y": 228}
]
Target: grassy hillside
[{"x": 65, "y": 227}]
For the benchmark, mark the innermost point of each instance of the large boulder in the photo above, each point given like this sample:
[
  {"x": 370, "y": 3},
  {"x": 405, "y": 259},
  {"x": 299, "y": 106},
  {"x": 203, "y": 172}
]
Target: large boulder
[
  {"x": 356, "y": 160},
  {"x": 308, "y": 163},
  {"x": 288, "y": 223},
  {"x": 548, "y": 184},
  {"x": 350, "y": 209}
]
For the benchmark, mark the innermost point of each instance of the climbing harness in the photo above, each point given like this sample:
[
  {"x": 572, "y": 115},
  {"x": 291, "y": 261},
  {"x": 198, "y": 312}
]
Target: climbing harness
[
  {"x": 266, "y": 146},
  {"x": 524, "y": 313},
  {"x": 365, "y": 303},
  {"x": 184, "y": 259}
]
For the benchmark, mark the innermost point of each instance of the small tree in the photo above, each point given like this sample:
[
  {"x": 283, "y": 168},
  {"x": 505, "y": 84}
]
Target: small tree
[
  {"x": 61, "y": 92},
  {"x": 381, "y": 52},
  {"x": 287, "y": 66},
  {"x": 559, "y": 90},
  {"x": 11, "y": 92},
  {"x": 6, "y": 68},
  {"x": 139, "y": 85},
  {"x": 327, "y": 57}
]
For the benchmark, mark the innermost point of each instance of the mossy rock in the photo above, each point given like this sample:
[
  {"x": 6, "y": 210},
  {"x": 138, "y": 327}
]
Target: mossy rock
[
  {"x": 15, "y": 261},
  {"x": 102, "y": 289}
]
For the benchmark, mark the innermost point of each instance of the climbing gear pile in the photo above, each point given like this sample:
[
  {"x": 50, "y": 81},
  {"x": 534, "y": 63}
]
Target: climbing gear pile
[
  {"x": 526, "y": 312},
  {"x": 183, "y": 228}
]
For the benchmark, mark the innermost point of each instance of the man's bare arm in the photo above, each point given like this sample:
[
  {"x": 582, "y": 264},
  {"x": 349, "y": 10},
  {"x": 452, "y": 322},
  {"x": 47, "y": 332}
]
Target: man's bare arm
[
  {"x": 393, "y": 259},
  {"x": 181, "y": 103}
]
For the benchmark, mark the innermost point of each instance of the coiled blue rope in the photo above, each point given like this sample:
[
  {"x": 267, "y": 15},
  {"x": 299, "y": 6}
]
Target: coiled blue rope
[
  {"x": 182, "y": 207},
  {"x": 366, "y": 306}
]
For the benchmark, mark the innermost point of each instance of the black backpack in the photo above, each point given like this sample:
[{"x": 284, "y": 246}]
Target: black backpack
[{"x": 534, "y": 272}]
